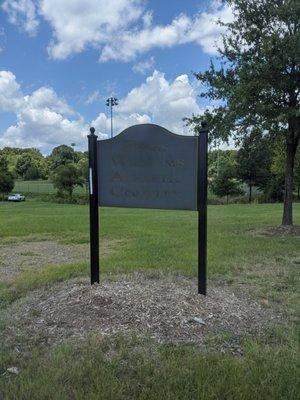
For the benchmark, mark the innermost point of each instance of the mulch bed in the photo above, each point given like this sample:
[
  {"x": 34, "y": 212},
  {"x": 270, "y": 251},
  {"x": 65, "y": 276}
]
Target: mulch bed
[
  {"x": 164, "y": 308},
  {"x": 280, "y": 230}
]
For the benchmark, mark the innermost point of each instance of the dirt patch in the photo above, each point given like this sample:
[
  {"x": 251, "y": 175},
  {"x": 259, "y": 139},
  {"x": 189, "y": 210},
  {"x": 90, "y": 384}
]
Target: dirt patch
[
  {"x": 167, "y": 309},
  {"x": 280, "y": 230},
  {"x": 34, "y": 255}
]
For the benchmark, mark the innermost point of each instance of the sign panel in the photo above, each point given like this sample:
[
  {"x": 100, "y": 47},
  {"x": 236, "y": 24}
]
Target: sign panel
[{"x": 146, "y": 166}]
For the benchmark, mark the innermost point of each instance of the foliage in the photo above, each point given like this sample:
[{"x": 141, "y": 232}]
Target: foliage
[
  {"x": 216, "y": 158},
  {"x": 83, "y": 169},
  {"x": 225, "y": 183},
  {"x": 6, "y": 177},
  {"x": 278, "y": 165},
  {"x": 253, "y": 161},
  {"x": 257, "y": 84},
  {"x": 274, "y": 190},
  {"x": 62, "y": 155},
  {"x": 32, "y": 173},
  {"x": 65, "y": 178},
  {"x": 26, "y": 162}
]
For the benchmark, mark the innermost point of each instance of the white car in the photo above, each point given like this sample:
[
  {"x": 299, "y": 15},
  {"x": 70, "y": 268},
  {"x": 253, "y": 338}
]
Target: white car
[{"x": 16, "y": 197}]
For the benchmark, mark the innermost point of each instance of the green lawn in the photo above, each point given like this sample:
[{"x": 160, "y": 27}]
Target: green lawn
[
  {"x": 40, "y": 187},
  {"x": 166, "y": 241}
]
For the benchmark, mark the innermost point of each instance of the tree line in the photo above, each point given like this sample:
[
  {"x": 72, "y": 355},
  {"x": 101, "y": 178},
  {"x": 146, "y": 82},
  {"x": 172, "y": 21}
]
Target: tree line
[
  {"x": 258, "y": 164},
  {"x": 64, "y": 167}
]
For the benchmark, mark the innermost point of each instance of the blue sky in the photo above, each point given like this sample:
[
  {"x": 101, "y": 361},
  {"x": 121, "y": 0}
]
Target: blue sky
[{"x": 60, "y": 60}]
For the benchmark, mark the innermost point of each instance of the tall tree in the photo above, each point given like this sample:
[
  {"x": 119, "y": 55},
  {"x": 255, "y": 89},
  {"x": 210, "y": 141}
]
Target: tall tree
[
  {"x": 225, "y": 183},
  {"x": 258, "y": 81},
  {"x": 62, "y": 155},
  {"x": 65, "y": 178},
  {"x": 254, "y": 161},
  {"x": 6, "y": 177}
]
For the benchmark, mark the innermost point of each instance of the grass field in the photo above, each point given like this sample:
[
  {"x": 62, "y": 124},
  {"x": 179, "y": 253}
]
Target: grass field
[
  {"x": 165, "y": 241},
  {"x": 40, "y": 187}
]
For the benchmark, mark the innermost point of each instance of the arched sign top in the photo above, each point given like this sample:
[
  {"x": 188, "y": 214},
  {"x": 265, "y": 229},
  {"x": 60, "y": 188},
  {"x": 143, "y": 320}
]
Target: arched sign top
[
  {"x": 150, "y": 128},
  {"x": 147, "y": 166}
]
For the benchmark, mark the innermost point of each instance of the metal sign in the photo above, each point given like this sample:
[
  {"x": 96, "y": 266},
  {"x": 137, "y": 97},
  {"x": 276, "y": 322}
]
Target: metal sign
[{"x": 146, "y": 166}]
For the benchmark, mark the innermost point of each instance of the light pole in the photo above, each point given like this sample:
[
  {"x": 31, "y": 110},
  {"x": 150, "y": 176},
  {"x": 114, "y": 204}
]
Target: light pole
[{"x": 110, "y": 102}]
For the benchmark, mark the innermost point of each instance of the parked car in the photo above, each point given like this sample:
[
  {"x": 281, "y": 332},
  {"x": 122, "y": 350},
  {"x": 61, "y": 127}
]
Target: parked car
[{"x": 16, "y": 197}]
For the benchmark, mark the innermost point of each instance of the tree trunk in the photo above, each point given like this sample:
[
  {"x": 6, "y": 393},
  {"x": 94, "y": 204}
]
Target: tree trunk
[
  {"x": 250, "y": 193},
  {"x": 291, "y": 148}
]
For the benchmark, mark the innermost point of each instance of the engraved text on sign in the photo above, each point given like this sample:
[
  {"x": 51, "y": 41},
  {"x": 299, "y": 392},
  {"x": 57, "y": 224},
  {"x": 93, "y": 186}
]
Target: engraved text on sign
[{"x": 147, "y": 166}]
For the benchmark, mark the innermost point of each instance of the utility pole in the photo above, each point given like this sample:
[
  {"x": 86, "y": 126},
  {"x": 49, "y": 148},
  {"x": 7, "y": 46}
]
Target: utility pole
[{"x": 111, "y": 102}]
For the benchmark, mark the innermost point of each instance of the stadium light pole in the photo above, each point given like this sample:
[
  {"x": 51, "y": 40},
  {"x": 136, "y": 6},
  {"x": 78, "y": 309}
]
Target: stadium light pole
[{"x": 111, "y": 102}]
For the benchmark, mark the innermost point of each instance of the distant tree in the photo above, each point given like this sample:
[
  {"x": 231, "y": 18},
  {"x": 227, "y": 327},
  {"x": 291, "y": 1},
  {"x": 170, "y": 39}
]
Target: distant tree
[
  {"x": 24, "y": 162},
  {"x": 254, "y": 161},
  {"x": 30, "y": 165},
  {"x": 6, "y": 178},
  {"x": 217, "y": 157},
  {"x": 32, "y": 173},
  {"x": 255, "y": 83},
  {"x": 62, "y": 155},
  {"x": 225, "y": 182},
  {"x": 83, "y": 169},
  {"x": 65, "y": 178}
]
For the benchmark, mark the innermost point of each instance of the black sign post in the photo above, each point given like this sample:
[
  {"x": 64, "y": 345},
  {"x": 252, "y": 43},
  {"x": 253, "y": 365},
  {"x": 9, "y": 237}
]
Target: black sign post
[
  {"x": 146, "y": 166},
  {"x": 202, "y": 208},
  {"x": 94, "y": 212}
]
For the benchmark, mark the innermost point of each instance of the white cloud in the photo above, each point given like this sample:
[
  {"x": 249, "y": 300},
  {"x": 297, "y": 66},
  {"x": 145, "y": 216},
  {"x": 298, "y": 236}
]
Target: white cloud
[
  {"x": 10, "y": 94},
  {"x": 41, "y": 117},
  {"x": 166, "y": 103},
  {"x": 22, "y": 13},
  {"x": 78, "y": 24},
  {"x": 158, "y": 101},
  {"x": 120, "y": 29},
  {"x": 121, "y": 121},
  {"x": 144, "y": 66},
  {"x": 201, "y": 29},
  {"x": 45, "y": 120},
  {"x": 93, "y": 97}
]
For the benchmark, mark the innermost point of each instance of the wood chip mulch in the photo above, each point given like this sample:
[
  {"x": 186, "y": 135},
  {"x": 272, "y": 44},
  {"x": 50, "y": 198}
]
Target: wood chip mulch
[{"x": 166, "y": 309}]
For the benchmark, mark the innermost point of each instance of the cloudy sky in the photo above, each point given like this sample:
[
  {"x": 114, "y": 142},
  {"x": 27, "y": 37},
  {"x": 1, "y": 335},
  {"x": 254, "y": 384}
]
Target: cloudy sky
[{"x": 60, "y": 60}]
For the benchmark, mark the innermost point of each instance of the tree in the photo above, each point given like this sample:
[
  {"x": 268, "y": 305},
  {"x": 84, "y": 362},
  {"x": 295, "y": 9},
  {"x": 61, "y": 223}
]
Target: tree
[
  {"x": 254, "y": 161},
  {"x": 62, "y": 155},
  {"x": 32, "y": 173},
  {"x": 6, "y": 178},
  {"x": 82, "y": 167},
  {"x": 257, "y": 83},
  {"x": 30, "y": 164},
  {"x": 224, "y": 183},
  {"x": 24, "y": 162},
  {"x": 297, "y": 173},
  {"x": 215, "y": 158},
  {"x": 278, "y": 166},
  {"x": 65, "y": 178}
]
